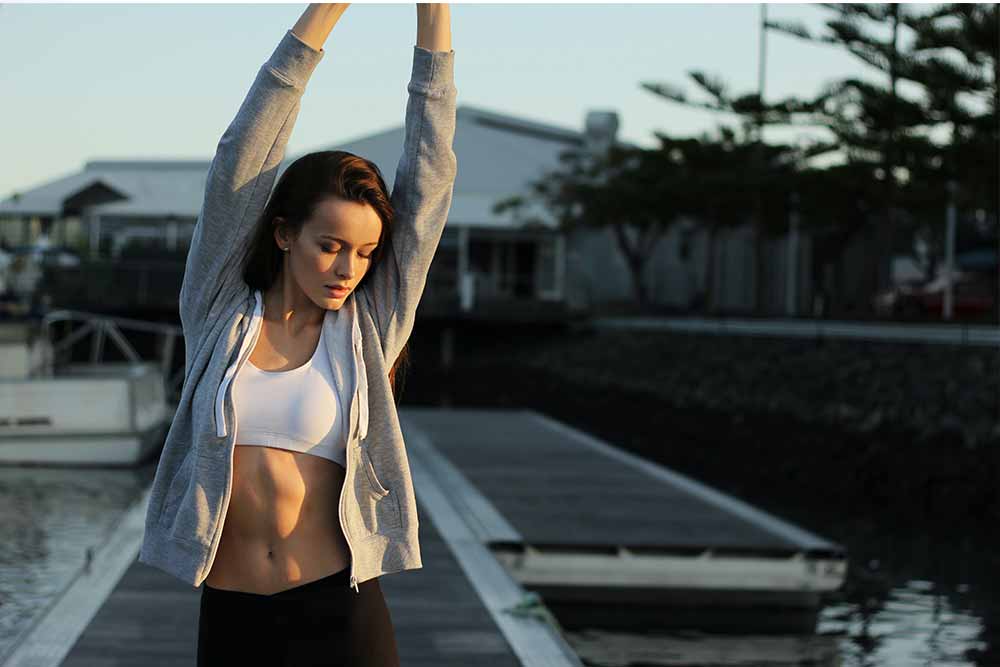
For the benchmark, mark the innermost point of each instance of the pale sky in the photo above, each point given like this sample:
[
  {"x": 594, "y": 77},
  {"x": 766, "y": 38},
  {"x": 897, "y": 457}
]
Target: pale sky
[{"x": 137, "y": 81}]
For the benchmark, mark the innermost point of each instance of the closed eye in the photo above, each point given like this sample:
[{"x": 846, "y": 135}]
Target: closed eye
[{"x": 331, "y": 249}]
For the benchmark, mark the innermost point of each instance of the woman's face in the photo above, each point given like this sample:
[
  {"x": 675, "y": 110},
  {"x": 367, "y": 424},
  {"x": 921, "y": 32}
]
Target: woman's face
[{"x": 333, "y": 248}]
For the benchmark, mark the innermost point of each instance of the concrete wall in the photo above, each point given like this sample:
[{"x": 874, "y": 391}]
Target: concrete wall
[{"x": 597, "y": 272}]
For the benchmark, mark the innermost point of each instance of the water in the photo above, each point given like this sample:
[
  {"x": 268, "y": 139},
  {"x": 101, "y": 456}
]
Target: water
[
  {"x": 915, "y": 594},
  {"x": 915, "y": 624},
  {"x": 908, "y": 600},
  {"x": 49, "y": 517},
  {"x": 919, "y": 592}
]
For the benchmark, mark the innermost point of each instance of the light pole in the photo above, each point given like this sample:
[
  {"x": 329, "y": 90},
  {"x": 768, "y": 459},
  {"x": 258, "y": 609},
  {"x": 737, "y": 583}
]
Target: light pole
[
  {"x": 949, "y": 251},
  {"x": 759, "y": 165},
  {"x": 792, "y": 269}
]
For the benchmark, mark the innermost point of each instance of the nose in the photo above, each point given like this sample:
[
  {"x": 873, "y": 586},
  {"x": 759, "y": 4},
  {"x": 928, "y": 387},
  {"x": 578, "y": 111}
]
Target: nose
[{"x": 344, "y": 268}]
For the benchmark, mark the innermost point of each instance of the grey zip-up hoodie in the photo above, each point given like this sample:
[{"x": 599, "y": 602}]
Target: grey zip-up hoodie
[{"x": 221, "y": 319}]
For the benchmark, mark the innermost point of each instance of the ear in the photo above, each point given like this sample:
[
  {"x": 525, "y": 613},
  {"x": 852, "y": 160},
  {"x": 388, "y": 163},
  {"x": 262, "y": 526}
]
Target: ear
[{"x": 281, "y": 235}]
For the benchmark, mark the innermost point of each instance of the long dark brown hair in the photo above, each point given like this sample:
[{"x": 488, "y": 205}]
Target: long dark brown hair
[{"x": 302, "y": 186}]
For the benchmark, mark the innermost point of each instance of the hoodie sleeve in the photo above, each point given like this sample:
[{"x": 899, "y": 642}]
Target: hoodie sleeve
[
  {"x": 241, "y": 176},
  {"x": 421, "y": 197}
]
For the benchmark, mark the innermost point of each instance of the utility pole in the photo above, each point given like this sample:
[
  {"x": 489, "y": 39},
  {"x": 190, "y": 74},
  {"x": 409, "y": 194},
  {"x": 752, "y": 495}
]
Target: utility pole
[
  {"x": 949, "y": 252},
  {"x": 758, "y": 198},
  {"x": 996, "y": 105},
  {"x": 792, "y": 265},
  {"x": 761, "y": 69}
]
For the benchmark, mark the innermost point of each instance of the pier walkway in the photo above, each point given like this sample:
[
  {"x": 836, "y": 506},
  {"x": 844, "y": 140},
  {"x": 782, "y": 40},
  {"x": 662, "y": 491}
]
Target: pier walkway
[
  {"x": 580, "y": 521},
  {"x": 511, "y": 503}
]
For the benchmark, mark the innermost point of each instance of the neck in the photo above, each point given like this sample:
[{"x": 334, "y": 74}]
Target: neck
[{"x": 288, "y": 306}]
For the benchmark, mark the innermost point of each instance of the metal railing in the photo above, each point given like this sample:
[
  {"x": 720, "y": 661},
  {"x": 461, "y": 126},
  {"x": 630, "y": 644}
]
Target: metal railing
[
  {"x": 100, "y": 328},
  {"x": 949, "y": 334},
  {"x": 118, "y": 284}
]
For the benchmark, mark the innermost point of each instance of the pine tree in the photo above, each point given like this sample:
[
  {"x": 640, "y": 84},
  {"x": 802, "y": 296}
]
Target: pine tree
[
  {"x": 639, "y": 193},
  {"x": 957, "y": 65},
  {"x": 755, "y": 114},
  {"x": 620, "y": 189},
  {"x": 869, "y": 120}
]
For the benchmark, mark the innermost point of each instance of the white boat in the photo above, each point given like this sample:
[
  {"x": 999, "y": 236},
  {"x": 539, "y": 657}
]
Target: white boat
[{"x": 79, "y": 414}]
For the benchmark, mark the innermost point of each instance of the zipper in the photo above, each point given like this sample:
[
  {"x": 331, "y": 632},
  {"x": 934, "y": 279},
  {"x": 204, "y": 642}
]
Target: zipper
[
  {"x": 220, "y": 402},
  {"x": 340, "y": 510},
  {"x": 347, "y": 460},
  {"x": 217, "y": 538},
  {"x": 222, "y": 430},
  {"x": 352, "y": 432}
]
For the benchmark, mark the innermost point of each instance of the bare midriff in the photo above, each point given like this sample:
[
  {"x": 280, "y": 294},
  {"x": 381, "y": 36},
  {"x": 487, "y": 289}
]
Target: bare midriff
[{"x": 282, "y": 528}]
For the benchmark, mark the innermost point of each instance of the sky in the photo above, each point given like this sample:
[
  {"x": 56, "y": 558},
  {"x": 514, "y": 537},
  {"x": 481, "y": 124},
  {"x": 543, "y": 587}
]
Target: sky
[{"x": 138, "y": 81}]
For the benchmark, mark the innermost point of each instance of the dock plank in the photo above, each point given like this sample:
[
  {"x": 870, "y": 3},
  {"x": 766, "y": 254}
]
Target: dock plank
[
  {"x": 555, "y": 492},
  {"x": 151, "y": 619}
]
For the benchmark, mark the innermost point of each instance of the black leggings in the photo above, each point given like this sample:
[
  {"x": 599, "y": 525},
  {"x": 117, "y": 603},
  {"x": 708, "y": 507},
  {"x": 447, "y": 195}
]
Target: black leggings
[{"x": 322, "y": 622}]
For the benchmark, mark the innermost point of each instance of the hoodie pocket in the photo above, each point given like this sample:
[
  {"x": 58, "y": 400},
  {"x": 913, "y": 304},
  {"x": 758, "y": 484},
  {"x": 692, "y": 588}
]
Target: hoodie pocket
[
  {"x": 377, "y": 486},
  {"x": 379, "y": 506}
]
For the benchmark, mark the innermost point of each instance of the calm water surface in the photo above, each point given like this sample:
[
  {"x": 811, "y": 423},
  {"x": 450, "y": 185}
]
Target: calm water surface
[
  {"x": 915, "y": 594},
  {"x": 915, "y": 624},
  {"x": 49, "y": 517},
  {"x": 909, "y": 600}
]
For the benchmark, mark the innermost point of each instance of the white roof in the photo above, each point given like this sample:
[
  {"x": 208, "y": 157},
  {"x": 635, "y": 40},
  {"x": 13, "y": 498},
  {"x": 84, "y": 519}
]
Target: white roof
[
  {"x": 155, "y": 188},
  {"x": 498, "y": 155}
]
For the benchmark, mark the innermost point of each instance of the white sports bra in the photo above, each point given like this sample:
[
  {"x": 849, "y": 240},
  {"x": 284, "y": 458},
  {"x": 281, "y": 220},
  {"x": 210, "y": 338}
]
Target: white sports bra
[{"x": 302, "y": 409}]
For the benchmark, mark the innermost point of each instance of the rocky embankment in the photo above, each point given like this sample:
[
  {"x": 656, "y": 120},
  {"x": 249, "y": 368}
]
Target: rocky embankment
[
  {"x": 881, "y": 436},
  {"x": 932, "y": 392}
]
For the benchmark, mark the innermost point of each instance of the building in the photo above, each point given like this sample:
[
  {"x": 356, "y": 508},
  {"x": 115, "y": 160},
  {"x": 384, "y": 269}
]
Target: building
[{"x": 486, "y": 264}]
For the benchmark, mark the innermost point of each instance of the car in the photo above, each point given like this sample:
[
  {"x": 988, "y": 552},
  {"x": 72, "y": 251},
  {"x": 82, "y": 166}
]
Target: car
[
  {"x": 898, "y": 299},
  {"x": 973, "y": 295}
]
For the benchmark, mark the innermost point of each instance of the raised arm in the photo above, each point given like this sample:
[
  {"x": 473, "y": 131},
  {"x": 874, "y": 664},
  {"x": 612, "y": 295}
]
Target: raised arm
[
  {"x": 316, "y": 22},
  {"x": 245, "y": 165},
  {"x": 422, "y": 190},
  {"x": 434, "y": 26}
]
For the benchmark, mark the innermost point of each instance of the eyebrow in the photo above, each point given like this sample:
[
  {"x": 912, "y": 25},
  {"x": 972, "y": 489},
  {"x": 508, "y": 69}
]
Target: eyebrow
[{"x": 339, "y": 240}]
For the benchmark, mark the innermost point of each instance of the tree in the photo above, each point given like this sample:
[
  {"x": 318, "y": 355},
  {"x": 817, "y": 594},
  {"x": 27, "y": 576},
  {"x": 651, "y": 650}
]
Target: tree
[
  {"x": 754, "y": 112},
  {"x": 957, "y": 45},
  {"x": 621, "y": 189},
  {"x": 878, "y": 126},
  {"x": 960, "y": 71},
  {"x": 719, "y": 179},
  {"x": 639, "y": 193}
]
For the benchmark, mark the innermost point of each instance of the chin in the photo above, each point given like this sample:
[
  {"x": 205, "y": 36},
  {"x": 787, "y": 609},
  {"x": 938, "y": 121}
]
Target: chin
[{"x": 331, "y": 303}]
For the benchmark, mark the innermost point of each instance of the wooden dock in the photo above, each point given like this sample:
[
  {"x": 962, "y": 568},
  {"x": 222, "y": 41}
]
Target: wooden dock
[
  {"x": 151, "y": 618},
  {"x": 512, "y": 504},
  {"x": 588, "y": 525},
  {"x": 461, "y": 608}
]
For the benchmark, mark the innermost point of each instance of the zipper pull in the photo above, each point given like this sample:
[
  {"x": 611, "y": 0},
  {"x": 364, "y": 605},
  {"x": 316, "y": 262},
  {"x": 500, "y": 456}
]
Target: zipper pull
[{"x": 354, "y": 583}]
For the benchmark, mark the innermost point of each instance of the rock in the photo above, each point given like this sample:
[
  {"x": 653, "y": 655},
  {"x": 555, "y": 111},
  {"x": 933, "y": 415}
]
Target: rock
[
  {"x": 948, "y": 432},
  {"x": 872, "y": 421},
  {"x": 844, "y": 412}
]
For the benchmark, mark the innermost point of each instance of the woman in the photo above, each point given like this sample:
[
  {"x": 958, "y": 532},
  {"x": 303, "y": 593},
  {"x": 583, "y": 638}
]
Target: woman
[{"x": 283, "y": 484}]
